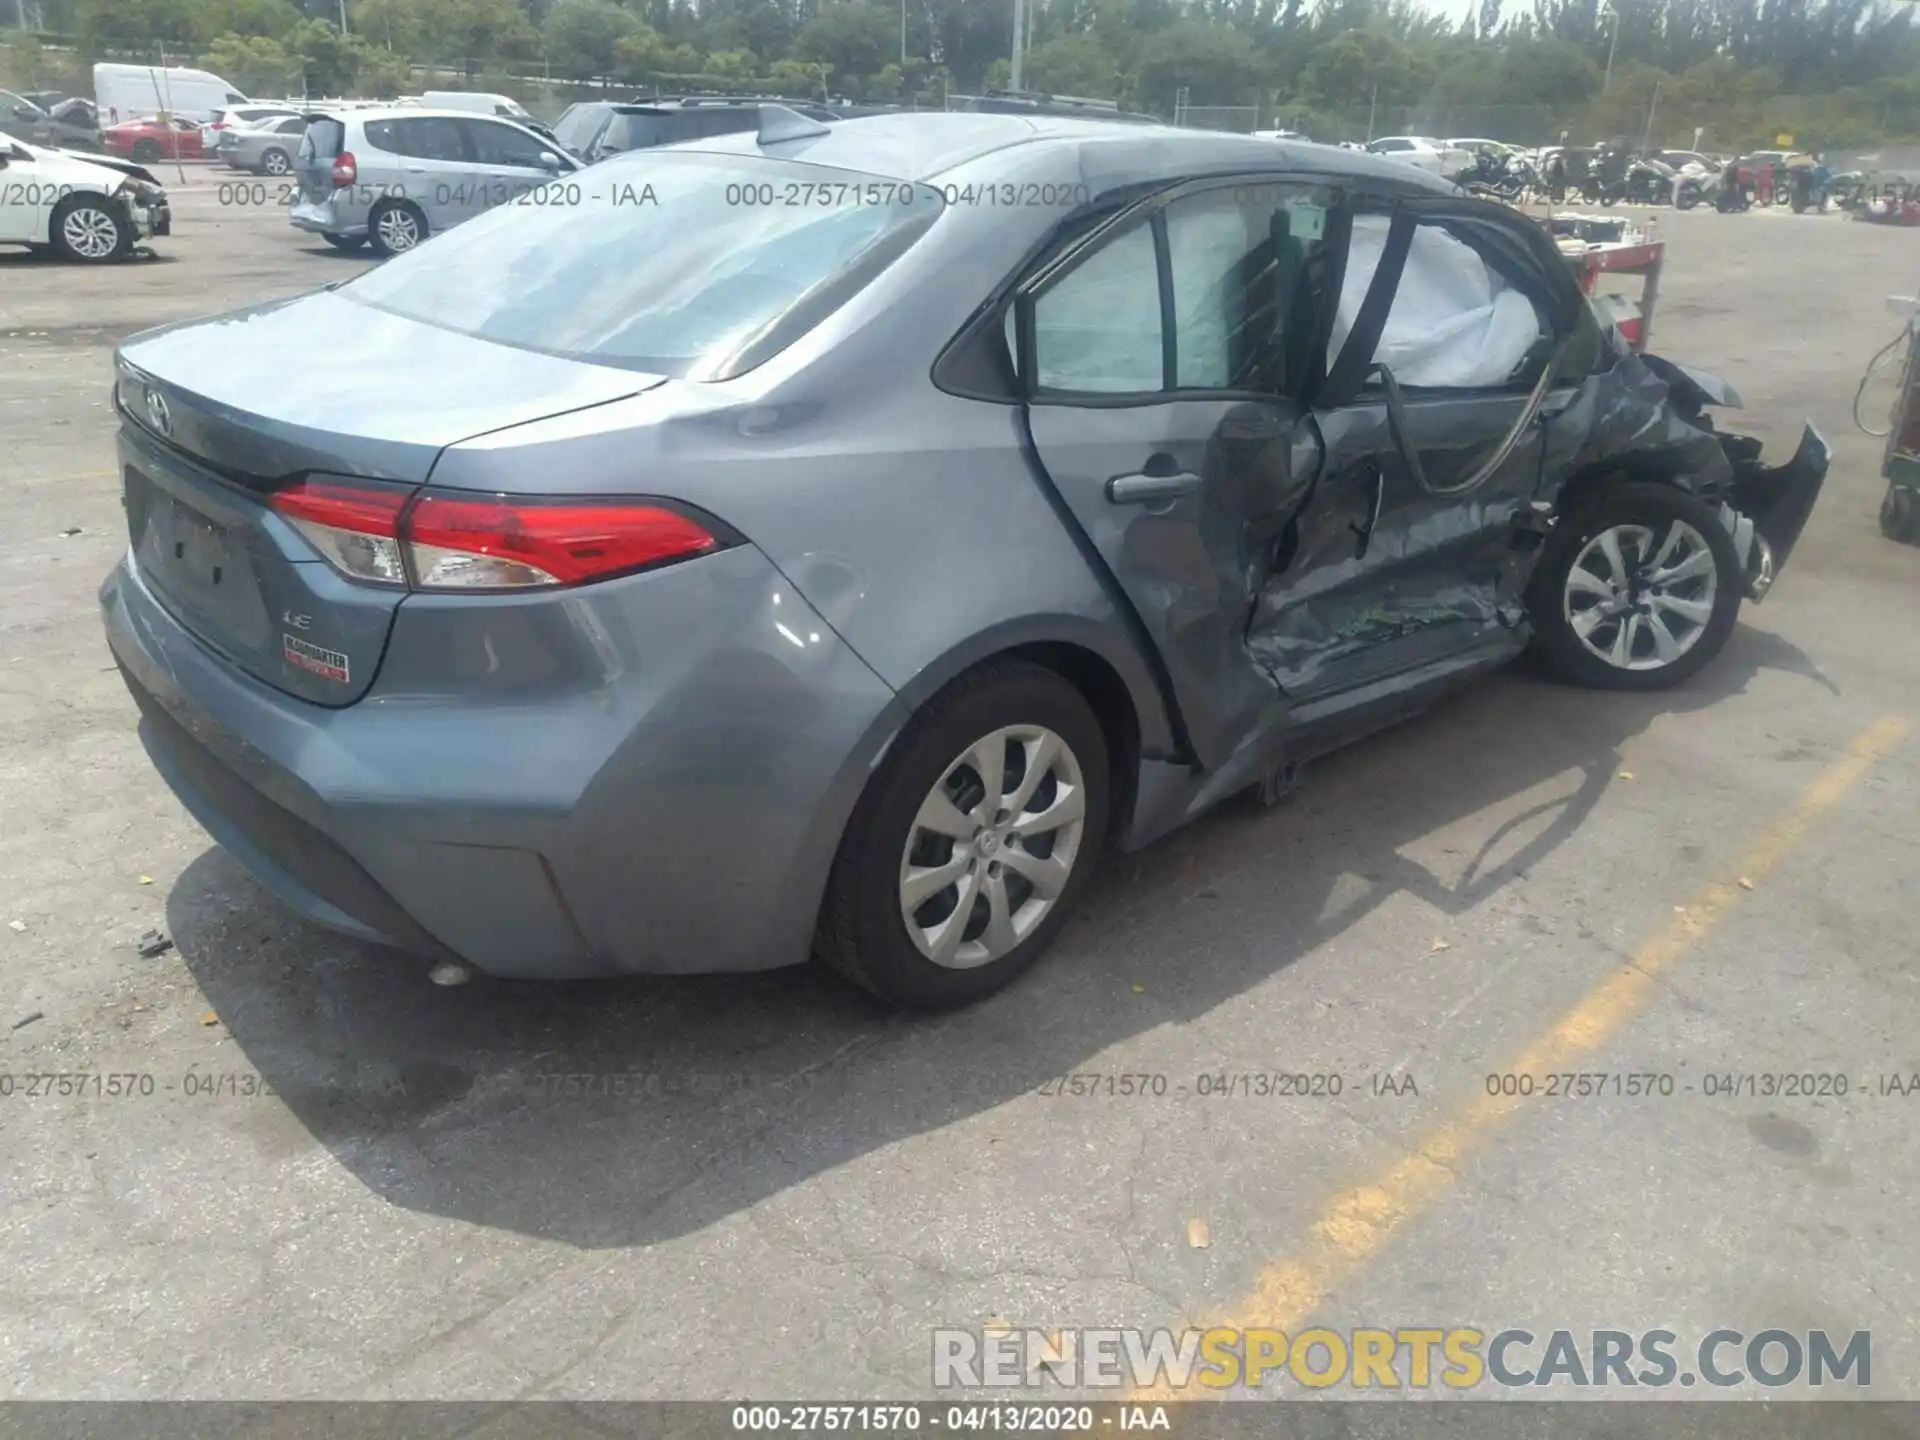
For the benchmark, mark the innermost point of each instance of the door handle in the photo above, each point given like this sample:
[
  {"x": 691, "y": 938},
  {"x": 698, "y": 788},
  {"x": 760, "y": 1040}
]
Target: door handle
[{"x": 1141, "y": 487}]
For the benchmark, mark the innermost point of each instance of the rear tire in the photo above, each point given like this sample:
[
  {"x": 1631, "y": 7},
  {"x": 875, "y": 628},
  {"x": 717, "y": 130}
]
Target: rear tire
[
  {"x": 146, "y": 151},
  {"x": 87, "y": 229},
  {"x": 1638, "y": 588},
  {"x": 276, "y": 162},
  {"x": 929, "y": 848},
  {"x": 395, "y": 226}
]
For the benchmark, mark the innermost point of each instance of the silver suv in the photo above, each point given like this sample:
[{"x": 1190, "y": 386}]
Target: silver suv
[{"x": 391, "y": 178}]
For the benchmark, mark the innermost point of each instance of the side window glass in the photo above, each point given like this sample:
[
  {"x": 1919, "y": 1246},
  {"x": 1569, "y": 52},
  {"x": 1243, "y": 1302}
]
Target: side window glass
[
  {"x": 503, "y": 145},
  {"x": 1456, "y": 322},
  {"x": 431, "y": 137},
  {"x": 1246, "y": 265},
  {"x": 1098, "y": 330}
]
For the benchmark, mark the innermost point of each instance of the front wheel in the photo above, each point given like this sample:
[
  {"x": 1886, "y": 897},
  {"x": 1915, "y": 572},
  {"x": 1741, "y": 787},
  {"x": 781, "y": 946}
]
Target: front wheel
[
  {"x": 145, "y": 151},
  {"x": 973, "y": 844},
  {"x": 1688, "y": 197},
  {"x": 86, "y": 228},
  {"x": 1637, "y": 589}
]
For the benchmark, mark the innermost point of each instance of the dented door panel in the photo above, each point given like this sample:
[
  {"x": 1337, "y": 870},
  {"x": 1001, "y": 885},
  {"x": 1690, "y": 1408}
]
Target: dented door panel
[{"x": 1191, "y": 553}]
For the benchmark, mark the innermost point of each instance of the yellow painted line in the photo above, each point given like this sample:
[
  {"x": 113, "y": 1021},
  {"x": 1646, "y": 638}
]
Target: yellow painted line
[{"x": 1358, "y": 1223}]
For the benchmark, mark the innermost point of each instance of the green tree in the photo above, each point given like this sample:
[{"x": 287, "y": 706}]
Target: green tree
[
  {"x": 583, "y": 37},
  {"x": 326, "y": 61},
  {"x": 473, "y": 34},
  {"x": 733, "y": 64},
  {"x": 256, "y": 65},
  {"x": 1215, "y": 64},
  {"x": 268, "y": 19},
  {"x": 139, "y": 25},
  {"x": 852, "y": 37},
  {"x": 1074, "y": 64}
]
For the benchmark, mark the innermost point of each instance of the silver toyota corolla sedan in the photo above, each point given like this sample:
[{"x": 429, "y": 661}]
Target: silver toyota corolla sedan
[{"x": 832, "y": 540}]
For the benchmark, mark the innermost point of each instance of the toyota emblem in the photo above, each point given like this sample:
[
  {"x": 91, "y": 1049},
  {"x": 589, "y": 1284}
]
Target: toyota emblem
[{"x": 158, "y": 412}]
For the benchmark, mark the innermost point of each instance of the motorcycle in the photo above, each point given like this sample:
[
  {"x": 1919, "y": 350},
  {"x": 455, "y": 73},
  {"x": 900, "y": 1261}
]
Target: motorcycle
[
  {"x": 1805, "y": 190},
  {"x": 1649, "y": 182},
  {"x": 1509, "y": 178}
]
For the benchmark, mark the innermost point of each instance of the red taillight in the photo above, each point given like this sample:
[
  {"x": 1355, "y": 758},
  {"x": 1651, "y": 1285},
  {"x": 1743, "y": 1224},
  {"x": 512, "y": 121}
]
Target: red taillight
[
  {"x": 346, "y": 170},
  {"x": 490, "y": 544},
  {"x": 447, "y": 541}
]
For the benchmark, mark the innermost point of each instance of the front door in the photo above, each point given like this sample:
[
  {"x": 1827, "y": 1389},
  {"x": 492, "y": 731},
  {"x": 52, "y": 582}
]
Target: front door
[
  {"x": 1433, "y": 449},
  {"x": 1165, "y": 359}
]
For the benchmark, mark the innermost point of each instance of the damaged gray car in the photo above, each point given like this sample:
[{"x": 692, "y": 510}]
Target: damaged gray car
[{"x": 839, "y": 547}]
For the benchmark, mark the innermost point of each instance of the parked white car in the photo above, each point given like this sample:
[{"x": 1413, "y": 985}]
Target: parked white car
[
  {"x": 1434, "y": 156},
  {"x": 87, "y": 208}
]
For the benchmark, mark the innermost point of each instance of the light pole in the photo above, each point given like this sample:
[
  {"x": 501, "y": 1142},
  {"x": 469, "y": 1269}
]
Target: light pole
[
  {"x": 1613, "y": 16},
  {"x": 1019, "y": 44}
]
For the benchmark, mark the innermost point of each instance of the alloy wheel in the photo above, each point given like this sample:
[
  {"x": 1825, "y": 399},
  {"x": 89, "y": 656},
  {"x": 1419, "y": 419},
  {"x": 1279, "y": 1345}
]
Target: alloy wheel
[
  {"x": 398, "y": 229},
  {"x": 1638, "y": 598},
  {"x": 992, "y": 846},
  {"x": 90, "y": 232}
]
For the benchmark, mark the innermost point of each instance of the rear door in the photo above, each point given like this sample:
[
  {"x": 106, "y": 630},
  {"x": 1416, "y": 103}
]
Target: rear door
[
  {"x": 1164, "y": 359},
  {"x": 437, "y": 170}
]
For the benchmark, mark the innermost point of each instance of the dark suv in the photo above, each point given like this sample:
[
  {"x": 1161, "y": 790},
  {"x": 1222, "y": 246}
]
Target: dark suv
[{"x": 596, "y": 129}]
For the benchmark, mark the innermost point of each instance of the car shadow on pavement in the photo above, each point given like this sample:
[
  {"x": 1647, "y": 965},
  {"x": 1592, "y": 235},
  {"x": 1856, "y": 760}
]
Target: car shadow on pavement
[{"x": 623, "y": 1113}]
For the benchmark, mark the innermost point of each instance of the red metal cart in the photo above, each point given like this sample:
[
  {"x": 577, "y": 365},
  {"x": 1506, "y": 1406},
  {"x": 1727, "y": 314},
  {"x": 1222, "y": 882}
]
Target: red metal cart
[{"x": 1605, "y": 263}]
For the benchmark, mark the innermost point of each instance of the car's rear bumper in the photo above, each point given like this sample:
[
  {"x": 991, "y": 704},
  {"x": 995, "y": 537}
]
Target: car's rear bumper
[
  {"x": 648, "y": 776},
  {"x": 328, "y": 217}
]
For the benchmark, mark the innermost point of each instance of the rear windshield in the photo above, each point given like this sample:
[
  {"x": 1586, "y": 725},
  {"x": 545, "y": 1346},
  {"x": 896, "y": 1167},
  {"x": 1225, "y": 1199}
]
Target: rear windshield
[
  {"x": 627, "y": 131},
  {"x": 690, "y": 265},
  {"x": 576, "y": 126}
]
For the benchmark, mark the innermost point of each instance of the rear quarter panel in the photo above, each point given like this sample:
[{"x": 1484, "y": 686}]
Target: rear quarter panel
[{"x": 912, "y": 520}]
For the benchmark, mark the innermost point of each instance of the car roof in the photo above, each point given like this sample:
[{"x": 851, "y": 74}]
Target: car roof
[
  {"x": 404, "y": 112},
  {"x": 919, "y": 146}
]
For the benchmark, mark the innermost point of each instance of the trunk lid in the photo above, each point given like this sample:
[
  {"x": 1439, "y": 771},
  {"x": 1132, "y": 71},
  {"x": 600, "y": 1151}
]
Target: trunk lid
[{"x": 219, "y": 414}]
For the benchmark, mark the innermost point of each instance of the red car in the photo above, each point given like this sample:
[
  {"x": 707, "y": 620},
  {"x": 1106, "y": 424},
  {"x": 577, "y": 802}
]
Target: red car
[{"x": 155, "y": 138}]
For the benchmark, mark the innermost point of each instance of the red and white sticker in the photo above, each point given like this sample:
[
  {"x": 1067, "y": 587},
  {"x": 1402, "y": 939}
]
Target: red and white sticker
[{"x": 317, "y": 658}]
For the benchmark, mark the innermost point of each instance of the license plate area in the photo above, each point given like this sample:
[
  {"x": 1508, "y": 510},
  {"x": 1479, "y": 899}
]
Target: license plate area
[
  {"x": 200, "y": 565},
  {"x": 197, "y": 552}
]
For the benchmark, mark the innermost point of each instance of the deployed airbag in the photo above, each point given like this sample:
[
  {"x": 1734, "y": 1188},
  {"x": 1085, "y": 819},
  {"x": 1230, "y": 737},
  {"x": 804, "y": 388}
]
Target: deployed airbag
[{"x": 1455, "y": 321}]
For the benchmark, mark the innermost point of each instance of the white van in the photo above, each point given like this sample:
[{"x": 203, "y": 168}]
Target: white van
[
  {"x": 130, "y": 92},
  {"x": 478, "y": 101}
]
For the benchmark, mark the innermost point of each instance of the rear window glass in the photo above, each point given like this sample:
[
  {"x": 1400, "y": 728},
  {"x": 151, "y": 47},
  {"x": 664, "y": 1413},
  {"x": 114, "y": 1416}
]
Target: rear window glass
[
  {"x": 576, "y": 127},
  {"x": 634, "y": 132},
  {"x": 687, "y": 265}
]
